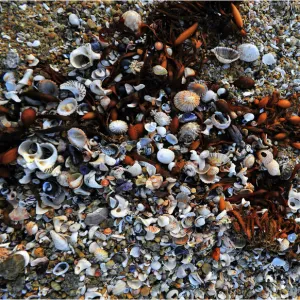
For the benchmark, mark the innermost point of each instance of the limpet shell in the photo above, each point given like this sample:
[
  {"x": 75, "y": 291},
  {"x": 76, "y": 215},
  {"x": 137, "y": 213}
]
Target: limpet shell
[{"x": 186, "y": 101}]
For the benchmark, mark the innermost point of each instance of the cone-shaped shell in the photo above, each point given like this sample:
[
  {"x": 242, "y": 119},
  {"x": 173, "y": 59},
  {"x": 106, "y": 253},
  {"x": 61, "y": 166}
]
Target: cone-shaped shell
[
  {"x": 186, "y": 101},
  {"x": 226, "y": 55},
  {"x": 67, "y": 107}
]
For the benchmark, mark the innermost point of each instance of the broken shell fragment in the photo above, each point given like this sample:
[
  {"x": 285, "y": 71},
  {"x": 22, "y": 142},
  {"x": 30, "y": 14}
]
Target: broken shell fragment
[{"x": 220, "y": 120}]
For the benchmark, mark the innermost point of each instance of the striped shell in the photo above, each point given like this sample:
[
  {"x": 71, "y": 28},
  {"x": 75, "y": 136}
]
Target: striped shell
[
  {"x": 226, "y": 55},
  {"x": 76, "y": 88},
  {"x": 218, "y": 159},
  {"x": 186, "y": 101},
  {"x": 189, "y": 132},
  {"x": 118, "y": 127}
]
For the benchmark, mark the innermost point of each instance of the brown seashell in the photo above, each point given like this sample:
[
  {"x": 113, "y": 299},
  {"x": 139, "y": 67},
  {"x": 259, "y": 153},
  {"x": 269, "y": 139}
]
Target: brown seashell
[
  {"x": 174, "y": 125},
  {"x": 244, "y": 82},
  {"x": 28, "y": 116},
  {"x": 295, "y": 120},
  {"x": 38, "y": 252},
  {"x": 132, "y": 132},
  {"x": 296, "y": 145},
  {"x": 89, "y": 116},
  {"x": 4, "y": 172},
  {"x": 9, "y": 156},
  {"x": 128, "y": 161},
  {"x": 114, "y": 114},
  {"x": 263, "y": 102},
  {"x": 182, "y": 240},
  {"x": 280, "y": 136},
  {"x": 194, "y": 145},
  {"x": 262, "y": 118},
  {"x": 139, "y": 128},
  {"x": 283, "y": 103}
]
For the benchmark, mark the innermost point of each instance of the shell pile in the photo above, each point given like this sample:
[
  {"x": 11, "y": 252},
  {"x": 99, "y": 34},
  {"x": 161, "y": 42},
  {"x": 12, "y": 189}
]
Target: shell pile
[{"x": 154, "y": 192}]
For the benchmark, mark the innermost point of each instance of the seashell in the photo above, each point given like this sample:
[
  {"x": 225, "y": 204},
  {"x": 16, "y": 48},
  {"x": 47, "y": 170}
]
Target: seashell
[
  {"x": 83, "y": 57},
  {"x": 161, "y": 118},
  {"x": 226, "y": 55},
  {"x": 284, "y": 245},
  {"x": 150, "y": 127},
  {"x": 25, "y": 256},
  {"x": 132, "y": 20},
  {"x": 159, "y": 70},
  {"x": 135, "y": 170},
  {"x": 209, "y": 96},
  {"x": 190, "y": 169},
  {"x": 163, "y": 221},
  {"x": 218, "y": 159},
  {"x": 30, "y": 150},
  {"x": 165, "y": 156},
  {"x": 119, "y": 288},
  {"x": 213, "y": 171},
  {"x": 31, "y": 228},
  {"x": 61, "y": 268},
  {"x": 189, "y": 132},
  {"x": 105, "y": 101},
  {"x": 58, "y": 221},
  {"x": 67, "y": 107},
  {"x": 122, "y": 209},
  {"x": 134, "y": 283},
  {"x": 13, "y": 96},
  {"x": 273, "y": 168},
  {"x": 118, "y": 127},
  {"x": 78, "y": 139},
  {"x": 26, "y": 80},
  {"x": 162, "y": 131},
  {"x": 244, "y": 82},
  {"x": 265, "y": 156},
  {"x": 75, "y": 180},
  {"x": 186, "y": 101},
  {"x": 59, "y": 241},
  {"x": 249, "y": 117},
  {"x": 173, "y": 294},
  {"x": 46, "y": 164},
  {"x": 101, "y": 254},
  {"x": 220, "y": 121},
  {"x": 19, "y": 214},
  {"x": 172, "y": 139},
  {"x": 82, "y": 265},
  {"x": 249, "y": 161},
  {"x": 294, "y": 200},
  {"x": 76, "y": 88},
  {"x": 74, "y": 20},
  {"x": 96, "y": 88},
  {"x": 269, "y": 59},
  {"x": 32, "y": 60},
  {"x": 28, "y": 116},
  {"x": 48, "y": 87},
  {"x": 283, "y": 103},
  {"x": 248, "y": 52},
  {"x": 90, "y": 180}
]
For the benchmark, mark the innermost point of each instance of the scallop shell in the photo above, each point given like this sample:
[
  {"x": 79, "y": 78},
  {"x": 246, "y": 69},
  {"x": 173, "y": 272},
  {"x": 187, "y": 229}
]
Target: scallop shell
[
  {"x": 76, "y": 88},
  {"x": 48, "y": 87},
  {"x": 220, "y": 121},
  {"x": 118, "y": 127},
  {"x": 46, "y": 164},
  {"x": 67, "y": 107},
  {"x": 248, "y": 52},
  {"x": 226, "y": 55},
  {"x": 218, "y": 159},
  {"x": 165, "y": 156},
  {"x": 189, "y": 132},
  {"x": 265, "y": 156},
  {"x": 186, "y": 101},
  {"x": 198, "y": 87}
]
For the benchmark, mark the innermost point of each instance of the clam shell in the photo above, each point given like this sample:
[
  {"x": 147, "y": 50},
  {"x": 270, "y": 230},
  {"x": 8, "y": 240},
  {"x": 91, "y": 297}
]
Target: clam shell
[
  {"x": 226, "y": 55},
  {"x": 165, "y": 156},
  {"x": 248, "y": 52},
  {"x": 118, "y": 127},
  {"x": 76, "y": 88},
  {"x": 186, "y": 101},
  {"x": 67, "y": 107}
]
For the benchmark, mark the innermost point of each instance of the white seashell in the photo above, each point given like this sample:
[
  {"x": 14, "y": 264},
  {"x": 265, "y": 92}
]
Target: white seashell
[
  {"x": 161, "y": 131},
  {"x": 159, "y": 70},
  {"x": 209, "y": 96},
  {"x": 110, "y": 161},
  {"x": 96, "y": 88},
  {"x": 163, "y": 221},
  {"x": 249, "y": 161},
  {"x": 26, "y": 77},
  {"x": 76, "y": 88},
  {"x": 172, "y": 294},
  {"x": 32, "y": 60},
  {"x": 294, "y": 200},
  {"x": 25, "y": 255},
  {"x": 161, "y": 118},
  {"x": 74, "y": 227},
  {"x": 220, "y": 121},
  {"x": 150, "y": 127},
  {"x": 172, "y": 139},
  {"x": 67, "y": 107},
  {"x": 134, "y": 283},
  {"x": 12, "y": 96},
  {"x": 190, "y": 169},
  {"x": 186, "y": 101},
  {"x": 135, "y": 170},
  {"x": 61, "y": 268},
  {"x": 75, "y": 180},
  {"x": 59, "y": 241},
  {"x": 129, "y": 88},
  {"x": 265, "y": 156},
  {"x": 119, "y": 288},
  {"x": 122, "y": 209},
  {"x": 46, "y": 164},
  {"x": 248, "y": 52},
  {"x": 226, "y": 55},
  {"x": 150, "y": 168},
  {"x": 132, "y": 20},
  {"x": 74, "y": 20},
  {"x": 105, "y": 101},
  {"x": 165, "y": 156},
  {"x": 284, "y": 245},
  {"x": 101, "y": 254},
  {"x": 90, "y": 180},
  {"x": 58, "y": 221},
  {"x": 89, "y": 295},
  {"x": 273, "y": 168},
  {"x": 269, "y": 59},
  {"x": 78, "y": 138},
  {"x": 25, "y": 150},
  {"x": 83, "y": 57},
  {"x": 135, "y": 252},
  {"x": 213, "y": 171},
  {"x": 188, "y": 72},
  {"x": 218, "y": 159},
  {"x": 249, "y": 117},
  {"x": 118, "y": 127},
  {"x": 82, "y": 265},
  {"x": 139, "y": 87}
]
